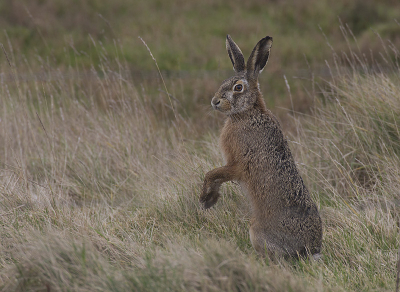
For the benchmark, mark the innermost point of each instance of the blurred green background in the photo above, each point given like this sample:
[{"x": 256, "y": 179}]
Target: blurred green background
[{"x": 188, "y": 40}]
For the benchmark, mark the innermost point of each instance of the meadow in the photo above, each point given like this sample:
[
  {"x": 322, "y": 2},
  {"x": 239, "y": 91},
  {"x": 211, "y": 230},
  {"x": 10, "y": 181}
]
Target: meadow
[{"x": 102, "y": 156}]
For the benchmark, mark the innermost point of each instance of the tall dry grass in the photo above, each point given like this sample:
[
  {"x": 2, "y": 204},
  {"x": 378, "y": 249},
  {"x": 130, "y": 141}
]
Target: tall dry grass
[
  {"x": 99, "y": 188},
  {"x": 349, "y": 151}
]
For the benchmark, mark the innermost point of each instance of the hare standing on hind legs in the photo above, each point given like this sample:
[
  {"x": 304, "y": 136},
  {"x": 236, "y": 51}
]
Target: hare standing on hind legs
[{"x": 285, "y": 220}]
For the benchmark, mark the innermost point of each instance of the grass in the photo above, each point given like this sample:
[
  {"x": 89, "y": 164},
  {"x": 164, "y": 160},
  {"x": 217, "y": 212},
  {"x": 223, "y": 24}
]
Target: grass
[
  {"x": 64, "y": 25},
  {"x": 100, "y": 185},
  {"x": 187, "y": 38},
  {"x": 100, "y": 178}
]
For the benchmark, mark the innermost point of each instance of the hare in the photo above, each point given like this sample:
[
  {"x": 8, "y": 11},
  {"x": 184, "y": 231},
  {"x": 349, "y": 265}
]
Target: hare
[{"x": 285, "y": 221}]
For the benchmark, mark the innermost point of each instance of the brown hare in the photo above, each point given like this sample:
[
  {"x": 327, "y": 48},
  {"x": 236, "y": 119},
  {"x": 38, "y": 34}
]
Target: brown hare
[{"x": 285, "y": 220}]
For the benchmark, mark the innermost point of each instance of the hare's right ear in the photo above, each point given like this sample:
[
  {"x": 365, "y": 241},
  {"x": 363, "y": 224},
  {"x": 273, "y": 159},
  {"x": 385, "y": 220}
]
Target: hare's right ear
[
  {"x": 235, "y": 54},
  {"x": 259, "y": 57}
]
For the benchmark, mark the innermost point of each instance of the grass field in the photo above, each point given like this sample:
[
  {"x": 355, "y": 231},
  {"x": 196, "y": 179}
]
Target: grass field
[
  {"x": 101, "y": 170},
  {"x": 188, "y": 39}
]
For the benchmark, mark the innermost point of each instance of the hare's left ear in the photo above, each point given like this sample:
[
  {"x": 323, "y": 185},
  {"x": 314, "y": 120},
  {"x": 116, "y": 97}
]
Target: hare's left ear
[
  {"x": 259, "y": 57},
  {"x": 235, "y": 54}
]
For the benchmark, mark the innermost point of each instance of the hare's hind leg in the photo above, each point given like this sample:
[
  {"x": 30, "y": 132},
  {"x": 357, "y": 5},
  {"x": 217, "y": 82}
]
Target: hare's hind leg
[
  {"x": 278, "y": 243},
  {"x": 263, "y": 243}
]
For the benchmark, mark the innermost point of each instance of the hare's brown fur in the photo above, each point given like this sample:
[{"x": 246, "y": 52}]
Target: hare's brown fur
[{"x": 285, "y": 220}]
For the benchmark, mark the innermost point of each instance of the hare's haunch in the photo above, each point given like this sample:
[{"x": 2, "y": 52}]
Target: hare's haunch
[{"x": 285, "y": 220}]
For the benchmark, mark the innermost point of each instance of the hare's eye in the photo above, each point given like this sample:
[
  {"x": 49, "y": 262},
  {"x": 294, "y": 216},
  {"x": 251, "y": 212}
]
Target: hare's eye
[{"x": 238, "y": 87}]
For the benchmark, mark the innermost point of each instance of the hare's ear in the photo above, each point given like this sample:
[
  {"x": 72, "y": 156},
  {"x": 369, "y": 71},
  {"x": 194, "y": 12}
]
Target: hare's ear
[
  {"x": 259, "y": 57},
  {"x": 235, "y": 54}
]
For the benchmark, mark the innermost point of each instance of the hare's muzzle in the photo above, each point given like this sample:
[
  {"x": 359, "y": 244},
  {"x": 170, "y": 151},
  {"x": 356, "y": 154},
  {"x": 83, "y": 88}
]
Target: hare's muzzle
[{"x": 215, "y": 102}]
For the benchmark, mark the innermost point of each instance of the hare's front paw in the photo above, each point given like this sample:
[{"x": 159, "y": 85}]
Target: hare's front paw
[{"x": 209, "y": 197}]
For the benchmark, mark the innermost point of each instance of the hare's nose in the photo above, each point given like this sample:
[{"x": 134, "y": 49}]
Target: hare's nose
[{"x": 215, "y": 101}]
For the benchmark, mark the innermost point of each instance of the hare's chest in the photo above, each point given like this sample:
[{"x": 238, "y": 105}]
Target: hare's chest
[
  {"x": 229, "y": 151},
  {"x": 232, "y": 145}
]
